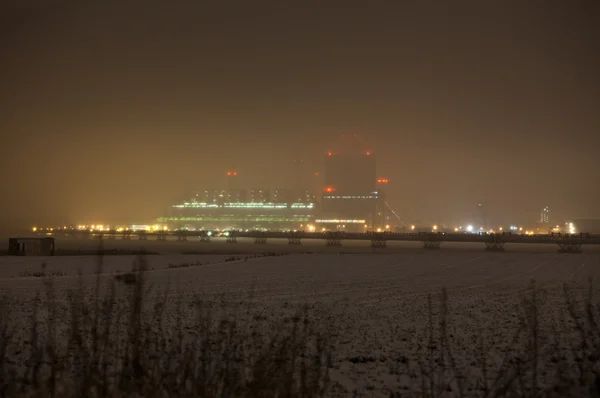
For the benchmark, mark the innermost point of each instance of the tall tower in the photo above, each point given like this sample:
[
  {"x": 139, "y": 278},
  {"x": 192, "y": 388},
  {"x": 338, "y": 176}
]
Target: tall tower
[
  {"x": 483, "y": 216},
  {"x": 350, "y": 191},
  {"x": 545, "y": 215}
]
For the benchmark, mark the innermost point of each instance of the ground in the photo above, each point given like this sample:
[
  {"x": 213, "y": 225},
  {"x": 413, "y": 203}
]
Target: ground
[{"x": 374, "y": 305}]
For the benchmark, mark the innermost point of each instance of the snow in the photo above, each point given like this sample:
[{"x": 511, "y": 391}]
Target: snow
[{"x": 378, "y": 301}]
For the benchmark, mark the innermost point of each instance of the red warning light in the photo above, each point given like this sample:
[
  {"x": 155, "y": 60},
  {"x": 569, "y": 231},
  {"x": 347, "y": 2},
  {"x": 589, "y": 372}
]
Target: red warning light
[
  {"x": 329, "y": 189},
  {"x": 229, "y": 173},
  {"x": 235, "y": 173},
  {"x": 316, "y": 173},
  {"x": 382, "y": 180},
  {"x": 368, "y": 153},
  {"x": 329, "y": 153}
]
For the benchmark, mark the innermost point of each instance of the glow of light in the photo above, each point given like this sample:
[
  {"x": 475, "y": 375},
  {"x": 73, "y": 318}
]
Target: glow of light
[
  {"x": 435, "y": 227},
  {"x": 378, "y": 229},
  {"x": 368, "y": 153},
  {"x": 470, "y": 228},
  {"x": 329, "y": 153},
  {"x": 500, "y": 228},
  {"x": 316, "y": 173},
  {"x": 455, "y": 229},
  {"x": 329, "y": 189},
  {"x": 34, "y": 229},
  {"x": 387, "y": 227},
  {"x": 412, "y": 227}
]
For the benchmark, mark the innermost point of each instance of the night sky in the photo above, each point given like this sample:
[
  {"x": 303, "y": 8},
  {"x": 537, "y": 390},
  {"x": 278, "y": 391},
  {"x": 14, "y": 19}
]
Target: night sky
[{"x": 112, "y": 109}]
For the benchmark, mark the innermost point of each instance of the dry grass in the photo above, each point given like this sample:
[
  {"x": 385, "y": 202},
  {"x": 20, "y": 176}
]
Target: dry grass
[{"x": 117, "y": 340}]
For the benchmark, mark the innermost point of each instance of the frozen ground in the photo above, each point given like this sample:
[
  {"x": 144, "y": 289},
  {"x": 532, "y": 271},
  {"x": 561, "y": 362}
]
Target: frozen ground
[{"x": 375, "y": 306}]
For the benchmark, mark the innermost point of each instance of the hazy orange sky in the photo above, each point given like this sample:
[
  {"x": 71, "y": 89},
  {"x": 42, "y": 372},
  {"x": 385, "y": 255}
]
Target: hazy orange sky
[{"x": 113, "y": 109}]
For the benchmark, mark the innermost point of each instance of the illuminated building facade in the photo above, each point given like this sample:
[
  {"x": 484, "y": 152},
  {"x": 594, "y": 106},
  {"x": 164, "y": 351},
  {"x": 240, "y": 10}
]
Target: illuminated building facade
[{"x": 225, "y": 211}]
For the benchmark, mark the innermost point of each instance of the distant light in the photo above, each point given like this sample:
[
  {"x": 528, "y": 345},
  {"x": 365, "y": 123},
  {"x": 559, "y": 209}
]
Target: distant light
[
  {"x": 34, "y": 229},
  {"x": 329, "y": 153},
  {"x": 316, "y": 173},
  {"x": 412, "y": 227},
  {"x": 329, "y": 189},
  {"x": 387, "y": 227},
  {"x": 435, "y": 227},
  {"x": 470, "y": 228},
  {"x": 455, "y": 229},
  {"x": 368, "y": 153}
]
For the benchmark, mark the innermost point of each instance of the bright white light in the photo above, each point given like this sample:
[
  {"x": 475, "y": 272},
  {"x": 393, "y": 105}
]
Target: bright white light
[{"x": 470, "y": 228}]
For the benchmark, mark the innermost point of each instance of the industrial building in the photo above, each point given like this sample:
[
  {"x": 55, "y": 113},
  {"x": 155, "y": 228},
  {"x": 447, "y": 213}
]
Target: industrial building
[
  {"x": 583, "y": 225},
  {"x": 240, "y": 215},
  {"x": 240, "y": 208},
  {"x": 350, "y": 197}
]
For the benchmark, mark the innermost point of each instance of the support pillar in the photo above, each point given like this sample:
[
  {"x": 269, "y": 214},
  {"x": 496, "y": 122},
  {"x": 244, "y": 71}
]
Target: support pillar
[
  {"x": 495, "y": 242},
  {"x": 295, "y": 238},
  {"x": 232, "y": 237},
  {"x": 377, "y": 239},
  {"x": 260, "y": 238},
  {"x": 568, "y": 243},
  {"x": 431, "y": 241},
  {"x": 333, "y": 238},
  {"x": 204, "y": 237}
]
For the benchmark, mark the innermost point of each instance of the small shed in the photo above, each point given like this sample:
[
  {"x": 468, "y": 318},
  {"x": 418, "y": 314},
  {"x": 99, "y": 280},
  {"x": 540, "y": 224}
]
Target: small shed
[{"x": 31, "y": 246}]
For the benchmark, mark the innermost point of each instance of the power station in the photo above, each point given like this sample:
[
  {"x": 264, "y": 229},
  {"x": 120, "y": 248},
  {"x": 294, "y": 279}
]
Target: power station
[{"x": 347, "y": 196}]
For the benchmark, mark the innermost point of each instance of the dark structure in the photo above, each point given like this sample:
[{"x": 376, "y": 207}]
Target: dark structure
[
  {"x": 31, "y": 246},
  {"x": 350, "y": 194}
]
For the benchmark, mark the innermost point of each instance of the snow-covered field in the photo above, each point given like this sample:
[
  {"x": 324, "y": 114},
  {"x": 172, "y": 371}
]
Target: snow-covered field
[{"x": 374, "y": 305}]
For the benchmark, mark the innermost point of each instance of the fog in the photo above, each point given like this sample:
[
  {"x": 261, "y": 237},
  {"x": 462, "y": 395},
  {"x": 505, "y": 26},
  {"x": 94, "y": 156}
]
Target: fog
[{"x": 113, "y": 110}]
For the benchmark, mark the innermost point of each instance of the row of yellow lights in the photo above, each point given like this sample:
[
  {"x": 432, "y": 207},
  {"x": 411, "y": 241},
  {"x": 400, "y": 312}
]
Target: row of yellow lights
[{"x": 98, "y": 227}]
